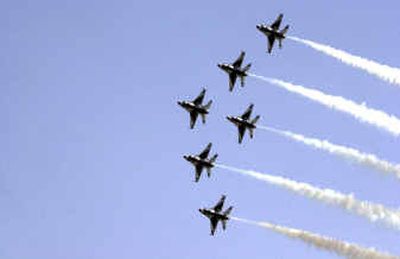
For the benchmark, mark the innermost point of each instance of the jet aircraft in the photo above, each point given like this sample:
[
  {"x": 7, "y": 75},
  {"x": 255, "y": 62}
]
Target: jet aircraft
[
  {"x": 235, "y": 70},
  {"x": 202, "y": 161},
  {"x": 272, "y": 32},
  {"x": 196, "y": 107},
  {"x": 243, "y": 122},
  {"x": 215, "y": 214}
]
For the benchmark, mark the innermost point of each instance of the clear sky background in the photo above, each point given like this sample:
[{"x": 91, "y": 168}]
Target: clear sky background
[{"x": 92, "y": 138}]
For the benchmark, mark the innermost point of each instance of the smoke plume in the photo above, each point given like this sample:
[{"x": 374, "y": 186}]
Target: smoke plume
[
  {"x": 384, "y": 72},
  {"x": 372, "y": 211},
  {"x": 361, "y": 112},
  {"x": 338, "y": 247},
  {"x": 349, "y": 153}
]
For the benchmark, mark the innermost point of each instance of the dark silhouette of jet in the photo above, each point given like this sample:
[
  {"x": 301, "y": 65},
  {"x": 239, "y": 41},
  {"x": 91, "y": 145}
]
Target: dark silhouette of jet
[
  {"x": 243, "y": 122},
  {"x": 215, "y": 214},
  {"x": 202, "y": 161},
  {"x": 235, "y": 70},
  {"x": 272, "y": 32},
  {"x": 196, "y": 107}
]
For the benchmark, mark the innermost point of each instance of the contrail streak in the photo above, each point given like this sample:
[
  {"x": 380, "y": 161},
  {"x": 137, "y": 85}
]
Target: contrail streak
[
  {"x": 338, "y": 247},
  {"x": 384, "y": 72},
  {"x": 349, "y": 153},
  {"x": 372, "y": 211},
  {"x": 361, "y": 112}
]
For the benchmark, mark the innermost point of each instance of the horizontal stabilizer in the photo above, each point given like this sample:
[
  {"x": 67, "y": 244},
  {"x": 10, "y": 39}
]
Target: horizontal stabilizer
[
  {"x": 208, "y": 171},
  {"x": 203, "y": 118},
  {"x": 251, "y": 131},
  {"x": 242, "y": 81},
  {"x": 223, "y": 224}
]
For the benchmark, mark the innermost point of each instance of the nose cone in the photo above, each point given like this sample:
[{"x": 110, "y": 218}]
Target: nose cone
[
  {"x": 259, "y": 26},
  {"x": 229, "y": 118},
  {"x": 180, "y": 103},
  {"x": 219, "y": 65},
  {"x": 186, "y": 157}
]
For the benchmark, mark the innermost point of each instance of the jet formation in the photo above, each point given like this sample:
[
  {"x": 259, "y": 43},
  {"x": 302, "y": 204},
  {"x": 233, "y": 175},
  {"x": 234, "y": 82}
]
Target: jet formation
[
  {"x": 244, "y": 122},
  {"x": 202, "y": 161},
  {"x": 216, "y": 215},
  {"x": 235, "y": 70},
  {"x": 196, "y": 107},
  {"x": 272, "y": 32}
]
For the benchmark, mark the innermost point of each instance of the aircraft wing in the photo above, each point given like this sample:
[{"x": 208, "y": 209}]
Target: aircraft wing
[
  {"x": 199, "y": 170},
  {"x": 232, "y": 80},
  {"x": 247, "y": 113},
  {"x": 193, "y": 118},
  {"x": 239, "y": 60},
  {"x": 271, "y": 40},
  {"x": 199, "y": 99},
  {"x": 218, "y": 207},
  {"x": 213, "y": 224},
  {"x": 277, "y": 22},
  {"x": 241, "y": 130},
  {"x": 205, "y": 152}
]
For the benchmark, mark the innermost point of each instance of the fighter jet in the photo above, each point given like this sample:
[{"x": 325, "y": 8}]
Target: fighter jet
[
  {"x": 196, "y": 107},
  {"x": 243, "y": 122},
  {"x": 215, "y": 214},
  {"x": 235, "y": 70},
  {"x": 273, "y": 32},
  {"x": 202, "y": 161}
]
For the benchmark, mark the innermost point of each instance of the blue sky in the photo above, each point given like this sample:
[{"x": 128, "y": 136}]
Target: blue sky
[{"x": 92, "y": 139}]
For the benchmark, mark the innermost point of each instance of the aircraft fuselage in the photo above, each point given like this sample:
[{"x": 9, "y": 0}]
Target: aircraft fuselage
[
  {"x": 239, "y": 121},
  {"x": 189, "y": 106},
  {"x": 267, "y": 30},
  {"x": 195, "y": 160},
  {"x": 212, "y": 214},
  {"x": 228, "y": 68}
]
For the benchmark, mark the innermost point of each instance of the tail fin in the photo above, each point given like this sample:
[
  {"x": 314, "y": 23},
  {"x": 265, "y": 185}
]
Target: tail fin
[
  {"x": 208, "y": 105},
  {"x": 247, "y": 67},
  {"x": 284, "y": 30},
  {"x": 212, "y": 159},
  {"x": 226, "y": 213},
  {"x": 254, "y": 121}
]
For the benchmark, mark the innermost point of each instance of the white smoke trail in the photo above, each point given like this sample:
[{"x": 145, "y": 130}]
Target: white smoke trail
[
  {"x": 384, "y": 72},
  {"x": 369, "y": 160},
  {"x": 361, "y": 112},
  {"x": 372, "y": 211},
  {"x": 338, "y": 247}
]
